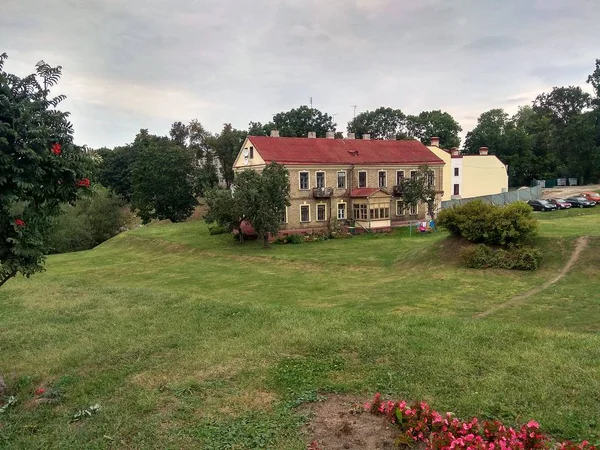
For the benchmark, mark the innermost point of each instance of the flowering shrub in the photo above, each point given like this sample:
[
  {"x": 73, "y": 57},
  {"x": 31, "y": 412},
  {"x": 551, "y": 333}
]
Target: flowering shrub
[{"x": 419, "y": 424}]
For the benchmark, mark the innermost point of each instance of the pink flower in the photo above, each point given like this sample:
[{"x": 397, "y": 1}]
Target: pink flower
[
  {"x": 533, "y": 424},
  {"x": 40, "y": 391},
  {"x": 56, "y": 148},
  {"x": 19, "y": 222}
]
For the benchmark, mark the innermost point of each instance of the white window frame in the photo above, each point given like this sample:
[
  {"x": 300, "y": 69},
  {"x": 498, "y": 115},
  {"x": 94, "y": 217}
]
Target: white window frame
[
  {"x": 366, "y": 179},
  {"x": 338, "y": 179},
  {"x": 379, "y": 172},
  {"x": 456, "y": 172},
  {"x": 403, "y": 175},
  {"x": 416, "y": 213},
  {"x": 308, "y": 207},
  {"x": 324, "y": 178},
  {"x": 402, "y": 211},
  {"x": 345, "y": 210},
  {"x": 286, "y": 215},
  {"x": 413, "y": 174},
  {"x": 324, "y": 205},
  {"x": 300, "y": 180}
]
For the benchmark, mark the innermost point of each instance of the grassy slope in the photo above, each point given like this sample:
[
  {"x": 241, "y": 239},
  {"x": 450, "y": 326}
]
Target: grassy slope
[{"x": 190, "y": 340}]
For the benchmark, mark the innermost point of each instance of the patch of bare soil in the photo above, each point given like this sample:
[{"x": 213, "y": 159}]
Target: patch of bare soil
[
  {"x": 569, "y": 191},
  {"x": 581, "y": 244},
  {"x": 340, "y": 422}
]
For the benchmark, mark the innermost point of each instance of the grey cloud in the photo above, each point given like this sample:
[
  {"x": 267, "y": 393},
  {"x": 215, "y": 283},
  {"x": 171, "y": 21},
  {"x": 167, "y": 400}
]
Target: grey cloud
[{"x": 153, "y": 62}]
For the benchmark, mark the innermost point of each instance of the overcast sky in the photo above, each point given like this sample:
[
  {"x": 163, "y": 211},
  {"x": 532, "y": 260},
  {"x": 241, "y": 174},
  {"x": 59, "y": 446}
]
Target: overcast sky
[{"x": 131, "y": 64}]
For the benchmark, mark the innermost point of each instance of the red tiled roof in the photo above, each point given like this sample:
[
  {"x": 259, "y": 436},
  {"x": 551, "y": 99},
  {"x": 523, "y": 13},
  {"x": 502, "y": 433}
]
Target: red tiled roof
[
  {"x": 363, "y": 192},
  {"x": 314, "y": 151}
]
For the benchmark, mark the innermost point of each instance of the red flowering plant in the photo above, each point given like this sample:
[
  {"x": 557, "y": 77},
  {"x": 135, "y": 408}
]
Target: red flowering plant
[
  {"x": 37, "y": 152},
  {"x": 419, "y": 424}
]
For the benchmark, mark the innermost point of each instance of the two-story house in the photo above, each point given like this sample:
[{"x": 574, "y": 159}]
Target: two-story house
[{"x": 344, "y": 180}]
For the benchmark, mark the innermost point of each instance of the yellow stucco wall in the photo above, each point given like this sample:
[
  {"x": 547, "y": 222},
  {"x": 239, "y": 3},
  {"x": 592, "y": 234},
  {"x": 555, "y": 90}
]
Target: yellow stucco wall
[
  {"x": 482, "y": 175},
  {"x": 447, "y": 171},
  {"x": 255, "y": 162}
]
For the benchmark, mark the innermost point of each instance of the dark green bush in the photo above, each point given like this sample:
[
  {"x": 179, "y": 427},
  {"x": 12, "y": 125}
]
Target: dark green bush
[
  {"x": 480, "y": 222},
  {"x": 90, "y": 221},
  {"x": 294, "y": 239},
  {"x": 513, "y": 258},
  {"x": 217, "y": 229}
]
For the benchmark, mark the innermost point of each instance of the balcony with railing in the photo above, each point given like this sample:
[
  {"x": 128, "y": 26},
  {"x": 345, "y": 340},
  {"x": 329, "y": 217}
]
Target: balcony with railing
[{"x": 322, "y": 192}]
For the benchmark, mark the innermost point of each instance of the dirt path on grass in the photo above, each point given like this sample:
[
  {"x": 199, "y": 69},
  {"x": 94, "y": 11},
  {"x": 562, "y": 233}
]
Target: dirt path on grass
[{"x": 579, "y": 247}]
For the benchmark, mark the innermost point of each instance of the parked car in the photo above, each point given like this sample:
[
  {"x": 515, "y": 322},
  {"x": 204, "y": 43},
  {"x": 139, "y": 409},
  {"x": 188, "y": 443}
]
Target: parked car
[
  {"x": 542, "y": 205},
  {"x": 580, "y": 202},
  {"x": 592, "y": 196},
  {"x": 560, "y": 203}
]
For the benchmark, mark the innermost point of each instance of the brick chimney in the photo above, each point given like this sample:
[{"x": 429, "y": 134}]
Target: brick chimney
[
  {"x": 366, "y": 136},
  {"x": 330, "y": 135},
  {"x": 455, "y": 151},
  {"x": 435, "y": 142},
  {"x": 274, "y": 133},
  {"x": 312, "y": 134},
  {"x": 351, "y": 136},
  {"x": 483, "y": 151}
]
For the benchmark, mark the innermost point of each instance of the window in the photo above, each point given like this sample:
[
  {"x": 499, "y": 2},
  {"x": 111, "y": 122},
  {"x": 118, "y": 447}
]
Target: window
[
  {"x": 399, "y": 177},
  {"x": 320, "y": 180},
  {"x": 360, "y": 212},
  {"x": 304, "y": 183},
  {"x": 341, "y": 211},
  {"x": 457, "y": 189},
  {"x": 379, "y": 212},
  {"x": 382, "y": 178},
  {"x": 414, "y": 210},
  {"x": 456, "y": 171},
  {"x": 251, "y": 152},
  {"x": 362, "y": 179},
  {"x": 341, "y": 180},
  {"x": 283, "y": 216},
  {"x": 413, "y": 174},
  {"x": 304, "y": 213},
  {"x": 431, "y": 178},
  {"x": 321, "y": 213},
  {"x": 399, "y": 208}
]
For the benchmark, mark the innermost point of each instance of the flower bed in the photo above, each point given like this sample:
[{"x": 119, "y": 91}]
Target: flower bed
[{"x": 420, "y": 425}]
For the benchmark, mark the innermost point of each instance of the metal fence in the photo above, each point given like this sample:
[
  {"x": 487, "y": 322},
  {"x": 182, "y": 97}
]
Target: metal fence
[{"x": 520, "y": 195}]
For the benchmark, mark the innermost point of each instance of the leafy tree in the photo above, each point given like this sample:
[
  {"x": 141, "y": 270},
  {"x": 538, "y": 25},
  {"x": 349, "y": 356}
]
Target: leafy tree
[
  {"x": 434, "y": 123},
  {"x": 259, "y": 198},
  {"x": 223, "y": 210},
  {"x": 226, "y": 147},
  {"x": 179, "y": 133},
  {"x": 91, "y": 220},
  {"x": 274, "y": 194},
  {"x": 299, "y": 121},
  {"x": 40, "y": 168},
  {"x": 258, "y": 129},
  {"x": 163, "y": 185},
  {"x": 380, "y": 124},
  {"x": 116, "y": 170},
  {"x": 207, "y": 176},
  {"x": 563, "y": 103},
  {"x": 419, "y": 189}
]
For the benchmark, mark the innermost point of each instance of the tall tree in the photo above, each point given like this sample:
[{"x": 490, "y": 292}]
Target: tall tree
[
  {"x": 259, "y": 198},
  {"x": 116, "y": 170},
  {"x": 563, "y": 103},
  {"x": 163, "y": 185},
  {"x": 40, "y": 168},
  {"x": 380, "y": 124},
  {"x": 179, "y": 133},
  {"x": 434, "y": 123},
  {"x": 299, "y": 121},
  {"x": 420, "y": 189},
  {"x": 226, "y": 146}
]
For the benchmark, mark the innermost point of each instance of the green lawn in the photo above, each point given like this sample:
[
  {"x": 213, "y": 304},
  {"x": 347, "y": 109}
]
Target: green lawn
[{"x": 188, "y": 340}]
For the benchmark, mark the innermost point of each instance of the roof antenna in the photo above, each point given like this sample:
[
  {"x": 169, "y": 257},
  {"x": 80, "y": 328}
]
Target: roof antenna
[
  {"x": 311, "y": 103},
  {"x": 354, "y": 106}
]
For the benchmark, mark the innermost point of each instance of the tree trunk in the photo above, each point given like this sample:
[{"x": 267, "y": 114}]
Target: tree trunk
[
  {"x": 266, "y": 240},
  {"x": 7, "y": 277}
]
